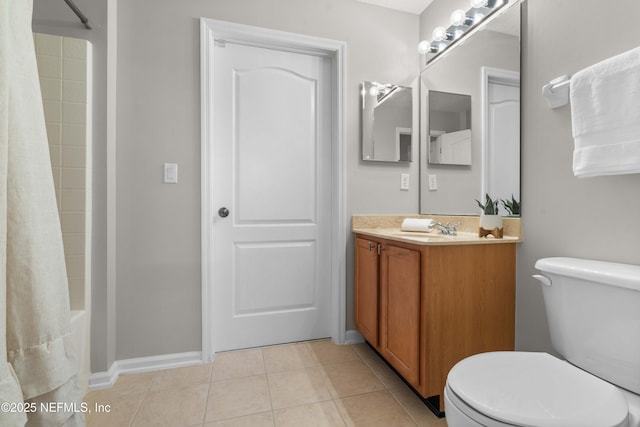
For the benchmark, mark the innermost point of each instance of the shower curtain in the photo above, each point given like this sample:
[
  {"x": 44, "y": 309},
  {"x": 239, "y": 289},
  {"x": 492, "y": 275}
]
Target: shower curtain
[{"x": 37, "y": 357}]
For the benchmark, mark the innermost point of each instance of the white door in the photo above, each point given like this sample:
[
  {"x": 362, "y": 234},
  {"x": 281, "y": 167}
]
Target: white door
[
  {"x": 502, "y": 166},
  {"x": 272, "y": 183}
]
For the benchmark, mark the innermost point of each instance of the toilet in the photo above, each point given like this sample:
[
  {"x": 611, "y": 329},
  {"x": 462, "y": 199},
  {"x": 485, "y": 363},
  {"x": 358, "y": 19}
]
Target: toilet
[{"x": 593, "y": 312}]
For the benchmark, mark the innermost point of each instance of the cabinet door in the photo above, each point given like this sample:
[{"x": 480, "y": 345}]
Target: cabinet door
[
  {"x": 400, "y": 310},
  {"x": 366, "y": 289}
]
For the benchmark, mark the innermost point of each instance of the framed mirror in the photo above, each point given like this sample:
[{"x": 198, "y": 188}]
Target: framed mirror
[
  {"x": 387, "y": 122},
  {"x": 449, "y": 139},
  {"x": 485, "y": 67}
]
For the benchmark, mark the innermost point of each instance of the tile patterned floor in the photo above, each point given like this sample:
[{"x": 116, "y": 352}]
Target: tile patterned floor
[{"x": 307, "y": 384}]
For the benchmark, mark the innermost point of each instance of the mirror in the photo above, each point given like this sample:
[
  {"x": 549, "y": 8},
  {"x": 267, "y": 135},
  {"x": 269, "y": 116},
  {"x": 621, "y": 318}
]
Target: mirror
[
  {"x": 449, "y": 128},
  {"x": 387, "y": 113},
  {"x": 486, "y": 68}
]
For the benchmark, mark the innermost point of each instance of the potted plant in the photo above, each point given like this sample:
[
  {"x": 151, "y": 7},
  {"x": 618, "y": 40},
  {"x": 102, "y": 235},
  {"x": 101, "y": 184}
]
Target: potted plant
[
  {"x": 490, "y": 219},
  {"x": 512, "y": 206}
]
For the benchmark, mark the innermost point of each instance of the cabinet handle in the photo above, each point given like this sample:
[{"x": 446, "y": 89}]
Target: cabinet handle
[
  {"x": 380, "y": 249},
  {"x": 370, "y": 246}
]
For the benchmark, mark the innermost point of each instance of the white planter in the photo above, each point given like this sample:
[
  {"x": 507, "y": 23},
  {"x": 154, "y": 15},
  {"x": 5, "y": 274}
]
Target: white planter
[{"x": 490, "y": 224}]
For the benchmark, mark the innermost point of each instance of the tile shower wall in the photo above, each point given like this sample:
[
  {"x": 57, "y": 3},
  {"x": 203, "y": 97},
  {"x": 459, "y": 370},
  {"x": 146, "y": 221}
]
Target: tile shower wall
[{"x": 62, "y": 64}]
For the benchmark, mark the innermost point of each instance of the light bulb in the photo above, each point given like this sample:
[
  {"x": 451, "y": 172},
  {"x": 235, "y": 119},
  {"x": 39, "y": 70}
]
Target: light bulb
[
  {"x": 373, "y": 90},
  {"x": 439, "y": 34},
  {"x": 478, "y": 3},
  {"x": 424, "y": 46},
  {"x": 458, "y": 18}
]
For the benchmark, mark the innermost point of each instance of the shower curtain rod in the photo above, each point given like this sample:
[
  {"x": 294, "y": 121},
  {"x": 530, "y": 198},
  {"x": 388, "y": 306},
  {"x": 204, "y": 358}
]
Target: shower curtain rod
[{"x": 79, "y": 13}]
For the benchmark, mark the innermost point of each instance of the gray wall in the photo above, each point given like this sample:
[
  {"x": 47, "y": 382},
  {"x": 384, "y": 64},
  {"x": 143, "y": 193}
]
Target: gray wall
[{"x": 562, "y": 215}]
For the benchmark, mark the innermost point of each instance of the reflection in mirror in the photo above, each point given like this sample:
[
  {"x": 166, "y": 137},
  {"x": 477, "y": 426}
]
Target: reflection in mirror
[
  {"x": 449, "y": 128},
  {"x": 486, "y": 67},
  {"x": 387, "y": 112}
]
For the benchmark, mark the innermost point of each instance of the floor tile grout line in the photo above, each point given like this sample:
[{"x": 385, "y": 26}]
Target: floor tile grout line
[
  {"x": 304, "y": 368},
  {"x": 266, "y": 377},
  {"x": 141, "y": 402},
  {"x": 373, "y": 371},
  {"x": 326, "y": 382},
  {"x": 325, "y": 379},
  {"x": 210, "y": 384},
  {"x": 404, "y": 408},
  {"x": 335, "y": 404},
  {"x": 387, "y": 388}
]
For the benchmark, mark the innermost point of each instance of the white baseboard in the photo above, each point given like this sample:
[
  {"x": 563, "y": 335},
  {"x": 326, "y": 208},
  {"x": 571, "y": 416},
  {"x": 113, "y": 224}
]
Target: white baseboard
[
  {"x": 101, "y": 380},
  {"x": 353, "y": 337}
]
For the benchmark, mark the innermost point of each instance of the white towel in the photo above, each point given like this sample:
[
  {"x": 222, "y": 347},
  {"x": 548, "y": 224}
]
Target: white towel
[
  {"x": 605, "y": 112},
  {"x": 417, "y": 224}
]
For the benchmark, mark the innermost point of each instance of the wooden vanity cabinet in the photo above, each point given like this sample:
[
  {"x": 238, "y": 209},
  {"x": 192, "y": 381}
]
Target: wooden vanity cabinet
[
  {"x": 399, "y": 310},
  {"x": 426, "y": 307},
  {"x": 387, "y": 303},
  {"x": 366, "y": 289}
]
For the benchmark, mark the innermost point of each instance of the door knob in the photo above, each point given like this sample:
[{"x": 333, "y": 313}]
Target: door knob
[{"x": 223, "y": 212}]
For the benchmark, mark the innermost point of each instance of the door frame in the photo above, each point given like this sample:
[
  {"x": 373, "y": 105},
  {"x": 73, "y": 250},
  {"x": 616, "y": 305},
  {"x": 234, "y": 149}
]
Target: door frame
[
  {"x": 492, "y": 75},
  {"x": 212, "y": 31}
]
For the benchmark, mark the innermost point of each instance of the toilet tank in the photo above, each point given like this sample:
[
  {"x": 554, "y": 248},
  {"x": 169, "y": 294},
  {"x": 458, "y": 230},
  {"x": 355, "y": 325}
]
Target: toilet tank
[{"x": 593, "y": 311}]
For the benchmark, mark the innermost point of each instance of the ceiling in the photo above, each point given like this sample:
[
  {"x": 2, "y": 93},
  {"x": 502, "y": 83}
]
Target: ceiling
[{"x": 411, "y": 6}]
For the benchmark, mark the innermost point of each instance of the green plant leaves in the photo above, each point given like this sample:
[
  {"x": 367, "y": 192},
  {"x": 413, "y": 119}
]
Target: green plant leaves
[
  {"x": 512, "y": 206},
  {"x": 490, "y": 206}
]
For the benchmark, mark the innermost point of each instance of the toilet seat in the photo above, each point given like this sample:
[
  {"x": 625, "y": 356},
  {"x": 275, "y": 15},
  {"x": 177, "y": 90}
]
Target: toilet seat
[
  {"x": 533, "y": 390},
  {"x": 459, "y": 414}
]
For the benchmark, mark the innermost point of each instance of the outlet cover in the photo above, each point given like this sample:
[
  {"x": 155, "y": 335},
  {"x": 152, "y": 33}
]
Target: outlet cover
[
  {"x": 404, "y": 181},
  {"x": 433, "y": 183}
]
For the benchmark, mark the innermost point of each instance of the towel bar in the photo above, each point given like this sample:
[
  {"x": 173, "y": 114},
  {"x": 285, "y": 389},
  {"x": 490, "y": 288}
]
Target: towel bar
[{"x": 557, "y": 91}]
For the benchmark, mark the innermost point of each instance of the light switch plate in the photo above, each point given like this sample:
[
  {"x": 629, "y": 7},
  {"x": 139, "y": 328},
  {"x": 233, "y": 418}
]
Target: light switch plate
[
  {"x": 404, "y": 181},
  {"x": 170, "y": 173}
]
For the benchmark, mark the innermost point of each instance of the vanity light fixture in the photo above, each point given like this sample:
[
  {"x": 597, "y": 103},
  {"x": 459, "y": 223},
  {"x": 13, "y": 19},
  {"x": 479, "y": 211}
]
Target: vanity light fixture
[
  {"x": 461, "y": 23},
  {"x": 381, "y": 91}
]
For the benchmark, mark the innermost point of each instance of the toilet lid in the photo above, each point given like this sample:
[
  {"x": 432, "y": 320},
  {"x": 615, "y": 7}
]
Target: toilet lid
[{"x": 536, "y": 389}]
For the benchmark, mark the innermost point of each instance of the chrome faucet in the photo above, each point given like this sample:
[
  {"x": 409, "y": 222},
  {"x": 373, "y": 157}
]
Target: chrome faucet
[{"x": 448, "y": 229}]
